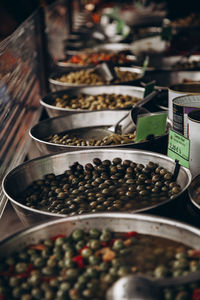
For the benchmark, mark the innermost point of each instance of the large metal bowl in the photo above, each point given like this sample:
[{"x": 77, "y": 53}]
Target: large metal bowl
[
  {"x": 53, "y": 111},
  {"x": 117, "y": 222},
  {"x": 92, "y": 119},
  {"x": 56, "y": 85},
  {"x": 19, "y": 178}
]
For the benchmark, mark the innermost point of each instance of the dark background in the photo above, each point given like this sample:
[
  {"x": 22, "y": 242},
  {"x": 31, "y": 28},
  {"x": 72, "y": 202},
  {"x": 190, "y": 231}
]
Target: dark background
[{"x": 13, "y": 13}]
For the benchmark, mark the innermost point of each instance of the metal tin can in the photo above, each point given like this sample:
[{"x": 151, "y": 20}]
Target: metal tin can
[
  {"x": 181, "y": 89},
  {"x": 181, "y": 108},
  {"x": 194, "y": 129}
]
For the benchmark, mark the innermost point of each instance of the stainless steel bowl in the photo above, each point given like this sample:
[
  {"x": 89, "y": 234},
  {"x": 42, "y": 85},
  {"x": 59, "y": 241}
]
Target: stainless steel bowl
[
  {"x": 54, "y": 111},
  {"x": 56, "y": 85},
  {"x": 117, "y": 222},
  {"x": 19, "y": 178},
  {"x": 194, "y": 192},
  {"x": 106, "y": 118}
]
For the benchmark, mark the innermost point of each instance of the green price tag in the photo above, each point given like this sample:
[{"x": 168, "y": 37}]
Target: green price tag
[
  {"x": 153, "y": 124},
  {"x": 149, "y": 88},
  {"x": 179, "y": 148}
]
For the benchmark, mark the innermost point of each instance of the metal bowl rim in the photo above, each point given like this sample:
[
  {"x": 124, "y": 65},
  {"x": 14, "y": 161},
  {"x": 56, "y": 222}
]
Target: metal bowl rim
[
  {"x": 138, "y": 70},
  {"x": 114, "y": 215}
]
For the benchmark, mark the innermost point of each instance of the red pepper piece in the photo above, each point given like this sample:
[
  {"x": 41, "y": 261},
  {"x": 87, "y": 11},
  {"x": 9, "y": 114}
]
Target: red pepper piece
[
  {"x": 47, "y": 279},
  {"x": 26, "y": 273},
  {"x": 130, "y": 234},
  {"x": 39, "y": 247},
  {"x": 53, "y": 238},
  {"x": 79, "y": 261},
  {"x": 9, "y": 272},
  {"x": 196, "y": 294},
  {"x": 104, "y": 244},
  {"x": 85, "y": 247},
  {"x": 112, "y": 242}
]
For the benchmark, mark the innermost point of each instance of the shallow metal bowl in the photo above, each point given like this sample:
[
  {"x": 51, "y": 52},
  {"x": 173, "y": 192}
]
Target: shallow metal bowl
[
  {"x": 117, "y": 222},
  {"x": 91, "y": 119},
  {"x": 19, "y": 178},
  {"x": 56, "y": 85},
  {"x": 53, "y": 111}
]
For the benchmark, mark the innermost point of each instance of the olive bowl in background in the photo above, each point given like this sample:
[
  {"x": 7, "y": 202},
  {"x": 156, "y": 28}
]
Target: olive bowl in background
[
  {"x": 56, "y": 85},
  {"x": 48, "y": 102}
]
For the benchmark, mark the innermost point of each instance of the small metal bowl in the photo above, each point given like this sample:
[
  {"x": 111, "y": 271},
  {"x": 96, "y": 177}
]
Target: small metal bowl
[
  {"x": 56, "y": 85},
  {"x": 76, "y": 121},
  {"x": 22, "y": 176},
  {"x": 53, "y": 111}
]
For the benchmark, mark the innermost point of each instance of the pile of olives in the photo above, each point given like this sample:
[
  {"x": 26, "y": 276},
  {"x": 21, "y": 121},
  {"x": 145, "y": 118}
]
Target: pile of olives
[
  {"x": 72, "y": 140},
  {"x": 104, "y": 185},
  {"x": 90, "y": 77},
  {"x": 85, "y": 264},
  {"x": 96, "y": 102}
]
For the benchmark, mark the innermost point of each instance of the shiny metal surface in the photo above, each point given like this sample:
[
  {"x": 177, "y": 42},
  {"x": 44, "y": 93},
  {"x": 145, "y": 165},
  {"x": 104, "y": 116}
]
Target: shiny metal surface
[
  {"x": 140, "y": 287},
  {"x": 56, "y": 85},
  {"x": 115, "y": 47},
  {"x": 89, "y": 120},
  {"x": 132, "y": 287},
  {"x": 53, "y": 111},
  {"x": 168, "y": 78},
  {"x": 120, "y": 222},
  {"x": 19, "y": 178},
  {"x": 193, "y": 193}
]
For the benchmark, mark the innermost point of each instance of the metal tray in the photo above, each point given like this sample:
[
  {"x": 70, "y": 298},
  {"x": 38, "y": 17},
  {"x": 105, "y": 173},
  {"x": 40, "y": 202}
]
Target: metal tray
[
  {"x": 54, "y": 111},
  {"x": 19, "y": 178},
  {"x": 56, "y": 85},
  {"x": 77, "y": 121}
]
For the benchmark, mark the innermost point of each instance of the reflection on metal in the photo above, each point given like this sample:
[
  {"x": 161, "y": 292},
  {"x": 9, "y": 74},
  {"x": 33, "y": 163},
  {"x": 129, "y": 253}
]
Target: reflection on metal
[
  {"x": 19, "y": 95},
  {"x": 57, "y": 28}
]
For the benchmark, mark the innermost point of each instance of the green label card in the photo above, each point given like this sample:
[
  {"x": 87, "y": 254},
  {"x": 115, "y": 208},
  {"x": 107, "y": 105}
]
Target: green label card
[
  {"x": 153, "y": 124},
  {"x": 179, "y": 148}
]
